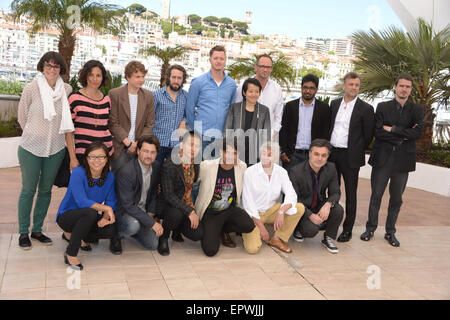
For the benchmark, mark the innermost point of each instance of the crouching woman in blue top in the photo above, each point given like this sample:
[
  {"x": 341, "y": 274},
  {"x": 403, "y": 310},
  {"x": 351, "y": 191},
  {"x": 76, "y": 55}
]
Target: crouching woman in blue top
[{"x": 90, "y": 191}]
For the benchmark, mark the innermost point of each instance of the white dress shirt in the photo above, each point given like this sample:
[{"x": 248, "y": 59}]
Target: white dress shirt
[
  {"x": 272, "y": 98},
  {"x": 133, "y": 111},
  {"x": 339, "y": 137},
  {"x": 259, "y": 194}
]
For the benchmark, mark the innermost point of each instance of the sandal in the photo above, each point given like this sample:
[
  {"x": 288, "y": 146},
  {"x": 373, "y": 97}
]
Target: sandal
[
  {"x": 367, "y": 235},
  {"x": 390, "y": 237}
]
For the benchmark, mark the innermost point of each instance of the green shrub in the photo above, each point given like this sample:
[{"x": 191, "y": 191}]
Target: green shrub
[
  {"x": 11, "y": 87},
  {"x": 440, "y": 157},
  {"x": 10, "y": 128}
]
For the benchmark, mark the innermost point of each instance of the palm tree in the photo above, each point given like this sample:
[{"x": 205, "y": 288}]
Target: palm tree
[
  {"x": 421, "y": 52},
  {"x": 283, "y": 71},
  {"x": 64, "y": 15},
  {"x": 165, "y": 55}
]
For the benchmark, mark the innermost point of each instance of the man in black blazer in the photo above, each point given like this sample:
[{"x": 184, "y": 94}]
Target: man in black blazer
[
  {"x": 304, "y": 120},
  {"x": 136, "y": 188},
  {"x": 316, "y": 184},
  {"x": 178, "y": 175},
  {"x": 398, "y": 124},
  {"x": 352, "y": 125}
]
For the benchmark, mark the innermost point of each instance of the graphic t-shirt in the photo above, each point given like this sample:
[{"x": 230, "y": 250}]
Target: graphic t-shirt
[{"x": 225, "y": 190}]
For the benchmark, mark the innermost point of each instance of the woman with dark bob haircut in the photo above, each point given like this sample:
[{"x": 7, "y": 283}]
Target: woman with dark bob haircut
[
  {"x": 90, "y": 112},
  {"x": 44, "y": 115},
  {"x": 78, "y": 215},
  {"x": 249, "y": 115}
]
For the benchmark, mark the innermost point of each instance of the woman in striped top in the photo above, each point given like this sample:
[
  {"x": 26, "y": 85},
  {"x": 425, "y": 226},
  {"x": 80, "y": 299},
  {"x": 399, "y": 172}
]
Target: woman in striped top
[{"x": 90, "y": 112}]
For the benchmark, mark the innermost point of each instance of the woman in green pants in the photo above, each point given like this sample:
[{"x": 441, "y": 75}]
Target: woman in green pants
[{"x": 44, "y": 115}]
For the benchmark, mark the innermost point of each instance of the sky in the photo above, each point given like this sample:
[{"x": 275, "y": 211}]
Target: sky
[{"x": 295, "y": 18}]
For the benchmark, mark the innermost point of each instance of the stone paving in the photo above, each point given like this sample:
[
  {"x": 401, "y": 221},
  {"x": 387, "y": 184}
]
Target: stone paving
[{"x": 419, "y": 269}]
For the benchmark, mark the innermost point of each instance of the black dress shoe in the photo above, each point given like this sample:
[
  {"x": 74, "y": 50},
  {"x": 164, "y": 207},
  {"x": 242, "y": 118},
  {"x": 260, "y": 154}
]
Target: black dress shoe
[
  {"x": 76, "y": 267},
  {"x": 86, "y": 248},
  {"x": 176, "y": 236},
  {"x": 63, "y": 236},
  {"x": 24, "y": 242},
  {"x": 393, "y": 241},
  {"x": 227, "y": 241},
  {"x": 115, "y": 246},
  {"x": 345, "y": 236},
  {"x": 163, "y": 246},
  {"x": 39, "y": 236}
]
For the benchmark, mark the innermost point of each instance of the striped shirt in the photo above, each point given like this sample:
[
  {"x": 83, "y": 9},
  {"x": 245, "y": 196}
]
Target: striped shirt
[
  {"x": 169, "y": 114},
  {"x": 90, "y": 119}
]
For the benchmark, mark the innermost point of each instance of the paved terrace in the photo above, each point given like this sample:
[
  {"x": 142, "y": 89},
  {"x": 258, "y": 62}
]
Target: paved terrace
[{"x": 419, "y": 269}]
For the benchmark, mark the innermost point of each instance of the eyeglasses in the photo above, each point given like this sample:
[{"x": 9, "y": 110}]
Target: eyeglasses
[
  {"x": 52, "y": 66},
  {"x": 264, "y": 67},
  {"x": 309, "y": 88},
  {"x": 93, "y": 158}
]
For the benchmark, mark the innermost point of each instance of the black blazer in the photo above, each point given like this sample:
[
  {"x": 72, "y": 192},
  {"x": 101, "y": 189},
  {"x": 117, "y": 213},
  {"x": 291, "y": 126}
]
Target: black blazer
[
  {"x": 329, "y": 189},
  {"x": 360, "y": 133},
  {"x": 320, "y": 125},
  {"x": 407, "y": 127},
  {"x": 129, "y": 189},
  {"x": 173, "y": 189}
]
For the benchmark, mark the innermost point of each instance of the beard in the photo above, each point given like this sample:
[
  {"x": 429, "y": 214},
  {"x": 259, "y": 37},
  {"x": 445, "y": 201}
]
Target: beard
[{"x": 175, "y": 88}]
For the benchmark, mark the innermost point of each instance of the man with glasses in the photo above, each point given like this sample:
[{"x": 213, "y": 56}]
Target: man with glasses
[
  {"x": 271, "y": 95},
  {"x": 304, "y": 120}
]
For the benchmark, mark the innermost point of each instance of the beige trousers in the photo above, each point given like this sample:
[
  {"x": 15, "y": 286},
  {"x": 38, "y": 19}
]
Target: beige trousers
[{"x": 252, "y": 240}]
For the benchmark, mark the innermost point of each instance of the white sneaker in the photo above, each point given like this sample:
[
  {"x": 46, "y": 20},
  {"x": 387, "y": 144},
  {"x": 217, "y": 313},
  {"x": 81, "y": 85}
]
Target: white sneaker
[{"x": 329, "y": 244}]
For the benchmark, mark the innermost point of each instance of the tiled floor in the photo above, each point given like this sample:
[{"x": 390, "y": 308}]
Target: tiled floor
[{"x": 419, "y": 269}]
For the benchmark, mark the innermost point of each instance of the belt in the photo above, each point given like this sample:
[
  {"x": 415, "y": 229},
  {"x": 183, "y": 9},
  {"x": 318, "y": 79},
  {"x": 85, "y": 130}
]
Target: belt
[{"x": 301, "y": 151}]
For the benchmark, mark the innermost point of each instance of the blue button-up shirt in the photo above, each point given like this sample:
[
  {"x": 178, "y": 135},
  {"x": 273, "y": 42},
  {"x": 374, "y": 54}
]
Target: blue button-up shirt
[
  {"x": 169, "y": 114},
  {"x": 305, "y": 115},
  {"x": 209, "y": 103}
]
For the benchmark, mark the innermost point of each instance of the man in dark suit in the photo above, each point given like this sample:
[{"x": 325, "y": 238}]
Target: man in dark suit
[
  {"x": 136, "y": 188},
  {"x": 316, "y": 184},
  {"x": 304, "y": 120},
  {"x": 352, "y": 125},
  {"x": 178, "y": 176},
  {"x": 398, "y": 124}
]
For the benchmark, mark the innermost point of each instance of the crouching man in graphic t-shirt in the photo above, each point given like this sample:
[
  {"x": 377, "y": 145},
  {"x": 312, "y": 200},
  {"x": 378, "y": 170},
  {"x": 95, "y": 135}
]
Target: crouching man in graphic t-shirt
[{"x": 219, "y": 198}]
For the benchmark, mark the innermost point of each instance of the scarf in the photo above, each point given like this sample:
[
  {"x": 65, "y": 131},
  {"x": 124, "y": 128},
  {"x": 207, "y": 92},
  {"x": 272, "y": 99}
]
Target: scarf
[{"x": 49, "y": 97}]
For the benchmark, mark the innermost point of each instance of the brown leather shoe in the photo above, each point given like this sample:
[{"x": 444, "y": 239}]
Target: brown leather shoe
[
  {"x": 280, "y": 245},
  {"x": 227, "y": 241}
]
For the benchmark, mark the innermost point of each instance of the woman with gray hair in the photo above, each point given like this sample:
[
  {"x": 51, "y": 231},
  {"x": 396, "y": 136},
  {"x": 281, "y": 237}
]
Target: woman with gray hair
[{"x": 263, "y": 184}]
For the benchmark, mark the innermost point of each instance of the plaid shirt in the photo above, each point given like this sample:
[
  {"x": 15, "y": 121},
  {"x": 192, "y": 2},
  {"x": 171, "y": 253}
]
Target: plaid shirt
[{"x": 169, "y": 114}]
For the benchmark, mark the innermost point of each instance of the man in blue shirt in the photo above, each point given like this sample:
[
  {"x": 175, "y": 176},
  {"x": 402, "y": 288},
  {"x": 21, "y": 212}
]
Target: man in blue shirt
[
  {"x": 209, "y": 99},
  {"x": 170, "y": 110}
]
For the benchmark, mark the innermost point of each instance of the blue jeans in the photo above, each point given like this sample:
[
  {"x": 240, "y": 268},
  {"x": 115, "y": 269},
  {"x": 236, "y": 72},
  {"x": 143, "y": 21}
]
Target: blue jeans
[
  {"x": 296, "y": 158},
  {"x": 130, "y": 227},
  {"x": 163, "y": 154}
]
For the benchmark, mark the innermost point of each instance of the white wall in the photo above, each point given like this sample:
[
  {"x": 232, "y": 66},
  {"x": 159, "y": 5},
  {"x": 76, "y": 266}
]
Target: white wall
[{"x": 426, "y": 177}]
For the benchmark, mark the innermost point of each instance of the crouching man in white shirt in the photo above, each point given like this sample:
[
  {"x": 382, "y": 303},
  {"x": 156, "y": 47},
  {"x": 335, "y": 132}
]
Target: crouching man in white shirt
[{"x": 263, "y": 184}]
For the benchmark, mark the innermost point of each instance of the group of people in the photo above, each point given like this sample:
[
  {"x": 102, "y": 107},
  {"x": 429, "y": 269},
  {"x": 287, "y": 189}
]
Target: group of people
[{"x": 206, "y": 163}]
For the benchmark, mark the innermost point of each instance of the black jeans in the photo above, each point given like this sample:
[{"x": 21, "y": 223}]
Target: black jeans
[
  {"x": 378, "y": 181},
  {"x": 340, "y": 158},
  {"x": 233, "y": 219},
  {"x": 82, "y": 224},
  {"x": 175, "y": 220},
  {"x": 309, "y": 230}
]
